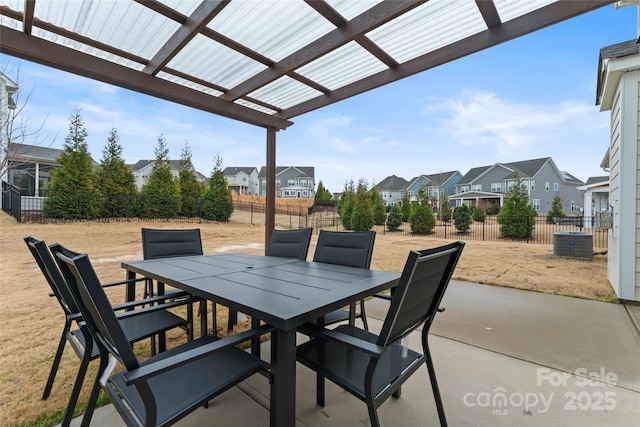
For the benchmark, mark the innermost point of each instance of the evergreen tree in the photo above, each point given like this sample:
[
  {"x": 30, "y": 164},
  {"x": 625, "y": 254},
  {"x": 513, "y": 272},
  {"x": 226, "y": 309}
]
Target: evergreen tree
[
  {"x": 394, "y": 221},
  {"x": 71, "y": 192},
  {"x": 462, "y": 218},
  {"x": 556, "y": 209},
  {"x": 362, "y": 213},
  {"x": 323, "y": 196},
  {"x": 422, "y": 219},
  {"x": 477, "y": 214},
  {"x": 115, "y": 181},
  {"x": 405, "y": 207},
  {"x": 160, "y": 197},
  {"x": 445, "y": 211},
  {"x": 217, "y": 203},
  {"x": 345, "y": 204},
  {"x": 516, "y": 217},
  {"x": 379, "y": 209},
  {"x": 190, "y": 189}
]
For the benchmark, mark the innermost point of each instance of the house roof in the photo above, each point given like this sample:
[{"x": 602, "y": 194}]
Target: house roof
[
  {"x": 32, "y": 153},
  {"x": 141, "y": 164},
  {"x": 264, "y": 62},
  {"x": 234, "y": 170},
  {"x": 608, "y": 78},
  {"x": 523, "y": 169},
  {"x": 596, "y": 179},
  {"x": 392, "y": 183},
  {"x": 439, "y": 179},
  {"x": 304, "y": 171}
]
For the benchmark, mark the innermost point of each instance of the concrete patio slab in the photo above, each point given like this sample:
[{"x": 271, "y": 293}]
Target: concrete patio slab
[{"x": 503, "y": 357}]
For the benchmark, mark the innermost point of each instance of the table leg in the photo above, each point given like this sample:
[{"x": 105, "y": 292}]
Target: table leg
[
  {"x": 283, "y": 387},
  {"x": 130, "y": 288}
]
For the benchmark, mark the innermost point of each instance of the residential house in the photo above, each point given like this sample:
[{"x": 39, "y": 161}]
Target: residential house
[
  {"x": 7, "y": 89},
  {"x": 392, "y": 189},
  {"x": 596, "y": 201},
  {"x": 242, "y": 180},
  {"x": 30, "y": 167},
  {"x": 485, "y": 185},
  {"x": 143, "y": 168},
  {"x": 618, "y": 91},
  {"x": 434, "y": 186},
  {"x": 291, "y": 181}
]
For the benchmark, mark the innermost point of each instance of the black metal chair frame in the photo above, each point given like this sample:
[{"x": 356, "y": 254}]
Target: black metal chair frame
[
  {"x": 170, "y": 385},
  {"x": 353, "y": 249},
  {"x": 80, "y": 340},
  {"x": 374, "y": 367}
]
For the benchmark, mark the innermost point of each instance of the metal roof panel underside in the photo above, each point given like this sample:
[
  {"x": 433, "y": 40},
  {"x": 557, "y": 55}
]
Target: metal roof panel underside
[{"x": 264, "y": 62}]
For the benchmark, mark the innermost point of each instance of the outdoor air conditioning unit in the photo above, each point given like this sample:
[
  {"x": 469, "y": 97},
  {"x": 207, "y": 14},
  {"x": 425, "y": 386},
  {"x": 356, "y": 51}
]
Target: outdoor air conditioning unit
[{"x": 573, "y": 244}]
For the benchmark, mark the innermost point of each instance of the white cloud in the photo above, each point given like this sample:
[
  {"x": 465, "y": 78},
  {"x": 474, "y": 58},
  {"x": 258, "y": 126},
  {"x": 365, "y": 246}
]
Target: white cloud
[{"x": 475, "y": 118}]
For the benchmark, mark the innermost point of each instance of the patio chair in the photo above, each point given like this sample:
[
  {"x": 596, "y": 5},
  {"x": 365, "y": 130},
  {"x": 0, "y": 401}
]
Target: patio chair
[
  {"x": 353, "y": 249},
  {"x": 285, "y": 244},
  {"x": 290, "y": 243},
  {"x": 374, "y": 367},
  {"x": 164, "y": 388},
  {"x": 163, "y": 243},
  {"x": 143, "y": 325}
]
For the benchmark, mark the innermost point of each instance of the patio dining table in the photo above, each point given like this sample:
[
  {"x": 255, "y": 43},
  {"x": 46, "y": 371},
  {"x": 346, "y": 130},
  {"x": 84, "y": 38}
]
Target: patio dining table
[{"x": 282, "y": 292}]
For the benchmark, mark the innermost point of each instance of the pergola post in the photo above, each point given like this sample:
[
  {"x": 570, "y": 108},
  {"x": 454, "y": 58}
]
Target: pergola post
[{"x": 270, "y": 206}]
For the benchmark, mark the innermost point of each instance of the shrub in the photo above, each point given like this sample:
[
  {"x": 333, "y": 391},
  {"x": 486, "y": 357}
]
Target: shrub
[
  {"x": 394, "y": 220},
  {"x": 445, "y": 211},
  {"x": 516, "y": 218},
  {"x": 556, "y": 209},
  {"x": 477, "y": 214},
  {"x": 462, "y": 218},
  {"x": 422, "y": 220}
]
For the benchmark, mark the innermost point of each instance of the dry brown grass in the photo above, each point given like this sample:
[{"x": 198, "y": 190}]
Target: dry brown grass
[{"x": 31, "y": 320}]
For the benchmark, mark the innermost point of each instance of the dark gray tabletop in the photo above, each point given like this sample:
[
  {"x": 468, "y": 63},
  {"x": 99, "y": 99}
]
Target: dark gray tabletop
[{"x": 280, "y": 291}]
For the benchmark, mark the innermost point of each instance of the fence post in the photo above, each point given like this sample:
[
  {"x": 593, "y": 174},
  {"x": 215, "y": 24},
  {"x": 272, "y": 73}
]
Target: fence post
[{"x": 483, "y": 230}]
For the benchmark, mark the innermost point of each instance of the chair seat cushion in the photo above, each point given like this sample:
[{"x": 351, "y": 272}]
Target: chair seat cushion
[
  {"x": 185, "y": 388},
  {"x": 137, "y": 328},
  {"x": 346, "y": 365}
]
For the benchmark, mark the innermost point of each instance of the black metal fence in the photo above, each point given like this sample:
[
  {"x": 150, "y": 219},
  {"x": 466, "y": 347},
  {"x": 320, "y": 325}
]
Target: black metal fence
[
  {"x": 30, "y": 209},
  {"x": 489, "y": 230},
  {"x": 11, "y": 200}
]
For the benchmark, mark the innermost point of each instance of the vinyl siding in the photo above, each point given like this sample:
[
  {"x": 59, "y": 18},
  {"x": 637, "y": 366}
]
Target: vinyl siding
[{"x": 613, "y": 265}]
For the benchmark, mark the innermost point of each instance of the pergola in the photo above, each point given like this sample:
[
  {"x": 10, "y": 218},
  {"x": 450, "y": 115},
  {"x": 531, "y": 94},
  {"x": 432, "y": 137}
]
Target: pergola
[{"x": 264, "y": 62}]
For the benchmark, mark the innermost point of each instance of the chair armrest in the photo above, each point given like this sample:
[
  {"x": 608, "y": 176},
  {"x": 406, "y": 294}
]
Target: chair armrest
[
  {"x": 153, "y": 300},
  {"x": 125, "y": 282},
  {"x": 351, "y": 341},
  {"x": 138, "y": 312},
  {"x": 155, "y": 368}
]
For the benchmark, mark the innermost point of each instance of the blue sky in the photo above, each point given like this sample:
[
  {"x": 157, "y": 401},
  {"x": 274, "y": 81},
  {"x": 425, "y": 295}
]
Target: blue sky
[{"x": 528, "y": 98}]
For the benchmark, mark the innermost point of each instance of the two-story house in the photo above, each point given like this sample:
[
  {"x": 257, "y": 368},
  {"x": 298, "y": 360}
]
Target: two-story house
[
  {"x": 143, "y": 168},
  {"x": 434, "y": 186},
  {"x": 291, "y": 181},
  {"x": 242, "y": 180},
  {"x": 392, "y": 189},
  {"x": 485, "y": 185}
]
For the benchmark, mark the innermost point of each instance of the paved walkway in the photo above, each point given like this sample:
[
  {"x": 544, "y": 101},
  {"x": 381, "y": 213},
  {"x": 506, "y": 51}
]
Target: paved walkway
[{"x": 504, "y": 357}]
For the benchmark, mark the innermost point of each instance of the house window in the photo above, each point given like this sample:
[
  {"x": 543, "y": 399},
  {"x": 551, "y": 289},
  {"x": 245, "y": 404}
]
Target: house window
[
  {"x": 464, "y": 188},
  {"x": 546, "y": 187},
  {"x": 305, "y": 193},
  {"x": 244, "y": 179},
  {"x": 476, "y": 187},
  {"x": 496, "y": 187},
  {"x": 536, "y": 204},
  {"x": 278, "y": 182},
  {"x": 303, "y": 182},
  {"x": 264, "y": 182},
  {"x": 509, "y": 185},
  {"x": 533, "y": 185},
  {"x": 573, "y": 206},
  {"x": 291, "y": 182},
  {"x": 556, "y": 187}
]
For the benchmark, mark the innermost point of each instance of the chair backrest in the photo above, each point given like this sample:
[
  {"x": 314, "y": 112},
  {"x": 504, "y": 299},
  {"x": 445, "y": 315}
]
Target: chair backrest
[
  {"x": 94, "y": 305},
  {"x": 290, "y": 243},
  {"x": 54, "y": 277},
  {"x": 417, "y": 297},
  {"x": 160, "y": 243},
  {"x": 353, "y": 249}
]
